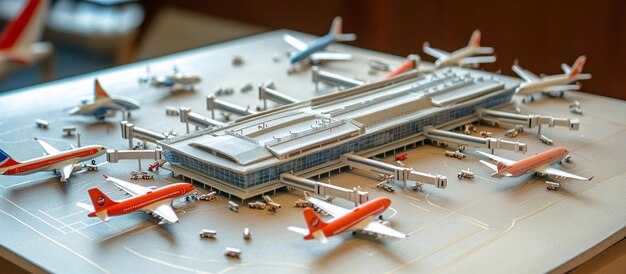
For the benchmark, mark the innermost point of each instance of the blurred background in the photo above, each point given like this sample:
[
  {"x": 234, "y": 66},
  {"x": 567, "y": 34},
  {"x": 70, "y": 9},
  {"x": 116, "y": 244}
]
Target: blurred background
[{"x": 90, "y": 35}]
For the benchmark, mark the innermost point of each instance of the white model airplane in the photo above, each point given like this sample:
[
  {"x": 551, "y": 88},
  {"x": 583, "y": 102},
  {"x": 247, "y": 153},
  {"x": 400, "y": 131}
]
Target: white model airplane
[
  {"x": 104, "y": 105},
  {"x": 157, "y": 202},
  {"x": 19, "y": 41},
  {"x": 539, "y": 164},
  {"x": 463, "y": 56},
  {"x": 360, "y": 218},
  {"x": 315, "y": 49},
  {"x": 553, "y": 83},
  {"x": 64, "y": 162},
  {"x": 175, "y": 82}
]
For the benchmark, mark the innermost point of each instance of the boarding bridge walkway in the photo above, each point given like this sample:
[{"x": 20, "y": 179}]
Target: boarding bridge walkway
[
  {"x": 333, "y": 79},
  {"x": 473, "y": 141},
  {"x": 529, "y": 121},
  {"x": 400, "y": 173},
  {"x": 188, "y": 117},
  {"x": 213, "y": 103},
  {"x": 321, "y": 189},
  {"x": 266, "y": 93},
  {"x": 131, "y": 132}
]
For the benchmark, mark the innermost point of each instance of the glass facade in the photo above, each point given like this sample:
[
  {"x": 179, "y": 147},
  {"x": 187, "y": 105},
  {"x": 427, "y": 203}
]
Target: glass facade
[{"x": 368, "y": 141}]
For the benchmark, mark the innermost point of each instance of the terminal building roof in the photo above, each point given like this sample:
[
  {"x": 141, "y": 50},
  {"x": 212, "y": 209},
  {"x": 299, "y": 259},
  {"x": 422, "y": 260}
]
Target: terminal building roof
[{"x": 263, "y": 139}]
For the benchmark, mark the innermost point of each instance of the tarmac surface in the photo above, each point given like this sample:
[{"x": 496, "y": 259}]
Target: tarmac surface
[{"x": 480, "y": 225}]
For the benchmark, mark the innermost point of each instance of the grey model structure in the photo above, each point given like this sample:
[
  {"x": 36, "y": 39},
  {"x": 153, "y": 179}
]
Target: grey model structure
[{"x": 245, "y": 158}]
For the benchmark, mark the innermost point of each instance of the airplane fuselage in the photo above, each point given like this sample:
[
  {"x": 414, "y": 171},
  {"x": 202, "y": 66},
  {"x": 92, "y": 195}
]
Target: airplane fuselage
[
  {"x": 106, "y": 107},
  {"x": 531, "y": 163},
  {"x": 316, "y": 45},
  {"x": 162, "y": 195},
  {"x": 455, "y": 57},
  {"x": 54, "y": 162},
  {"x": 357, "y": 215},
  {"x": 544, "y": 83}
]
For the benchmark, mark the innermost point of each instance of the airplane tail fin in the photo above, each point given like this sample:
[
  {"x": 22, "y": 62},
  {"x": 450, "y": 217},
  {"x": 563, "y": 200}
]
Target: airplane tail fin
[
  {"x": 99, "y": 91},
  {"x": 474, "y": 40},
  {"x": 335, "y": 29},
  {"x": 315, "y": 224},
  {"x": 6, "y": 160},
  {"x": 577, "y": 68},
  {"x": 27, "y": 27},
  {"x": 100, "y": 200},
  {"x": 501, "y": 166}
]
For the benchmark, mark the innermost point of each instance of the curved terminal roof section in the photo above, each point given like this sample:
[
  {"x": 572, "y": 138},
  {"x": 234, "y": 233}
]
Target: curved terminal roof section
[{"x": 236, "y": 149}]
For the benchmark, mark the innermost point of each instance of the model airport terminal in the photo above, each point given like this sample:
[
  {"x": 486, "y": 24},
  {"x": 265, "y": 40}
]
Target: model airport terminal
[
  {"x": 369, "y": 152},
  {"x": 249, "y": 155}
]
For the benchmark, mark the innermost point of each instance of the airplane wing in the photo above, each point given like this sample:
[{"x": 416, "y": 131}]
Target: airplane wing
[
  {"x": 477, "y": 60},
  {"x": 295, "y": 42},
  {"x": 505, "y": 161},
  {"x": 87, "y": 207},
  {"x": 489, "y": 165},
  {"x": 437, "y": 53},
  {"x": 164, "y": 211},
  {"x": 299, "y": 230},
  {"x": 525, "y": 74},
  {"x": 495, "y": 168},
  {"x": 47, "y": 148},
  {"x": 562, "y": 88},
  {"x": 380, "y": 229},
  {"x": 560, "y": 173},
  {"x": 333, "y": 210},
  {"x": 484, "y": 50},
  {"x": 326, "y": 55},
  {"x": 67, "y": 170},
  {"x": 129, "y": 188}
]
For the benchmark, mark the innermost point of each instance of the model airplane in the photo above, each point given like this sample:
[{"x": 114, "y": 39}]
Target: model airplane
[
  {"x": 18, "y": 42},
  {"x": 65, "y": 162},
  {"x": 314, "y": 50},
  {"x": 178, "y": 81},
  {"x": 104, "y": 105},
  {"x": 539, "y": 164},
  {"x": 463, "y": 56},
  {"x": 360, "y": 218},
  {"x": 153, "y": 201},
  {"x": 412, "y": 62},
  {"x": 553, "y": 83}
]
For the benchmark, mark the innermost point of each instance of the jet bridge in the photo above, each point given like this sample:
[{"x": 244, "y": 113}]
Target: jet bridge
[
  {"x": 333, "y": 79},
  {"x": 188, "y": 117},
  {"x": 354, "y": 195},
  {"x": 114, "y": 155},
  {"x": 131, "y": 132},
  {"x": 400, "y": 173},
  {"x": 266, "y": 93},
  {"x": 529, "y": 121},
  {"x": 473, "y": 141},
  {"x": 212, "y": 103}
]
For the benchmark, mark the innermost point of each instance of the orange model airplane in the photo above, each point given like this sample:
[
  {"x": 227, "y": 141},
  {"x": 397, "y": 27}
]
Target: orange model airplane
[
  {"x": 412, "y": 62},
  {"x": 539, "y": 164},
  {"x": 360, "y": 218},
  {"x": 154, "y": 201}
]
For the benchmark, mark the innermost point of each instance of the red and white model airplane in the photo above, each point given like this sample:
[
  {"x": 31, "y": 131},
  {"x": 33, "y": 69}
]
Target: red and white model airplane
[
  {"x": 463, "y": 56},
  {"x": 360, "y": 218},
  {"x": 552, "y": 83},
  {"x": 19, "y": 41},
  {"x": 538, "y": 164},
  {"x": 153, "y": 201},
  {"x": 65, "y": 162}
]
